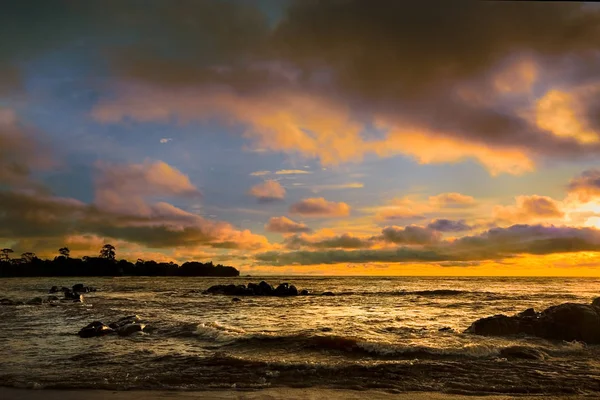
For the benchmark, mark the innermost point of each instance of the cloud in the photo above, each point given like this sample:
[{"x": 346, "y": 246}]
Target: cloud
[
  {"x": 495, "y": 244},
  {"x": 586, "y": 187},
  {"x": 285, "y": 225},
  {"x": 319, "y": 207},
  {"x": 530, "y": 208},
  {"x": 344, "y": 241},
  {"x": 22, "y": 151},
  {"x": 409, "y": 235},
  {"x": 166, "y": 140},
  {"x": 260, "y": 173},
  {"x": 268, "y": 191},
  {"x": 292, "y": 172},
  {"x": 124, "y": 187},
  {"x": 337, "y": 186},
  {"x": 452, "y": 200},
  {"x": 447, "y": 225}
]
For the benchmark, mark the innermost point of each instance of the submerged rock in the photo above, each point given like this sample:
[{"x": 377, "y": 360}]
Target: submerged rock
[
  {"x": 95, "y": 329},
  {"x": 236, "y": 299},
  {"x": 303, "y": 292},
  {"x": 123, "y": 327},
  {"x": 327, "y": 294},
  {"x": 8, "y": 302},
  {"x": 35, "y": 301},
  {"x": 128, "y": 329},
  {"x": 568, "y": 321}
]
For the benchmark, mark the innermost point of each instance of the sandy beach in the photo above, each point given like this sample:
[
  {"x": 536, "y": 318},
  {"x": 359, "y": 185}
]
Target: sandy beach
[{"x": 270, "y": 394}]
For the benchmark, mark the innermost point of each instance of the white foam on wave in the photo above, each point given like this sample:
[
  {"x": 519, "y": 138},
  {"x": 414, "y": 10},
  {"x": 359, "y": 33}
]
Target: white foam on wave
[{"x": 218, "y": 331}]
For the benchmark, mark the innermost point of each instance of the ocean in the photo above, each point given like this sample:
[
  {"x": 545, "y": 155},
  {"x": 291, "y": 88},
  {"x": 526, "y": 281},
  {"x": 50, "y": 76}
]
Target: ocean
[{"x": 395, "y": 334}]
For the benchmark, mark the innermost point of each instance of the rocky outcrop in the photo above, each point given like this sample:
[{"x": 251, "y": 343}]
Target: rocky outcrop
[
  {"x": 77, "y": 288},
  {"x": 568, "y": 321},
  {"x": 123, "y": 327},
  {"x": 257, "y": 289}
]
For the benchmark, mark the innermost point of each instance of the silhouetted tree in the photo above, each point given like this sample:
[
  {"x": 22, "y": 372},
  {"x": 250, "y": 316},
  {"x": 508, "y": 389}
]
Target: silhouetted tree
[
  {"x": 64, "y": 251},
  {"x": 108, "y": 252},
  {"x": 28, "y": 257},
  {"x": 4, "y": 254}
]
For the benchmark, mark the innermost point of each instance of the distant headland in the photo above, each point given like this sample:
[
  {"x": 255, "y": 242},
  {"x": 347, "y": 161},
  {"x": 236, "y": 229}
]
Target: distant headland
[{"x": 106, "y": 264}]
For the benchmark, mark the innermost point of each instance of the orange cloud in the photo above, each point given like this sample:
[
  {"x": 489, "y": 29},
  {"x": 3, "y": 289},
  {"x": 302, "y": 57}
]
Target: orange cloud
[
  {"x": 309, "y": 125},
  {"x": 452, "y": 200},
  {"x": 267, "y": 191},
  {"x": 319, "y": 207},
  {"x": 530, "y": 208},
  {"x": 123, "y": 187},
  {"x": 586, "y": 187},
  {"x": 285, "y": 225}
]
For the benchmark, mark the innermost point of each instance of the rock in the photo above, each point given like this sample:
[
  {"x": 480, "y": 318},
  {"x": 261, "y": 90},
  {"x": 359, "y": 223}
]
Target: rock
[
  {"x": 326, "y": 329},
  {"x": 571, "y": 321},
  {"x": 95, "y": 329},
  {"x": 327, "y": 294},
  {"x": 522, "y": 352},
  {"x": 52, "y": 298},
  {"x": 530, "y": 312},
  {"x": 73, "y": 296},
  {"x": 265, "y": 288},
  {"x": 303, "y": 292},
  {"x": 35, "y": 301},
  {"x": 131, "y": 319},
  {"x": 128, "y": 329},
  {"x": 445, "y": 329},
  {"x": 568, "y": 321},
  {"x": 500, "y": 325},
  {"x": 292, "y": 291},
  {"x": 80, "y": 287},
  {"x": 7, "y": 302},
  {"x": 235, "y": 299},
  {"x": 596, "y": 302},
  {"x": 281, "y": 290},
  {"x": 54, "y": 289}
]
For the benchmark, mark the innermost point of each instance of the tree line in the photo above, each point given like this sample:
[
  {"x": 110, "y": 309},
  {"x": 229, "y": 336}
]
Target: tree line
[{"x": 106, "y": 264}]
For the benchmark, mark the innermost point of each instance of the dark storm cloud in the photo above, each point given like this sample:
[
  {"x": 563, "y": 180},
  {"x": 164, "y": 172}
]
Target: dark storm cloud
[
  {"x": 494, "y": 244},
  {"x": 409, "y": 235},
  {"x": 447, "y": 225},
  {"x": 345, "y": 241}
]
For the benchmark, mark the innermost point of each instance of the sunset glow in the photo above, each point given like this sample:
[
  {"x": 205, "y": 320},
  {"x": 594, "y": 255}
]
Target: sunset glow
[{"x": 290, "y": 144}]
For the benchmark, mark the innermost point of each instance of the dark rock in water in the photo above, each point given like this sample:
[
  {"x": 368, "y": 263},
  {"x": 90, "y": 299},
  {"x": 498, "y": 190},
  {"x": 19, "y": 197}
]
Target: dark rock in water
[
  {"x": 568, "y": 321},
  {"x": 303, "y": 292},
  {"x": 7, "y": 302},
  {"x": 501, "y": 325},
  {"x": 596, "y": 302},
  {"x": 131, "y": 319},
  {"x": 78, "y": 287},
  {"x": 235, "y": 299},
  {"x": 445, "y": 329},
  {"x": 572, "y": 321},
  {"x": 52, "y": 298},
  {"x": 54, "y": 289},
  {"x": 265, "y": 288},
  {"x": 524, "y": 353},
  {"x": 292, "y": 291},
  {"x": 530, "y": 312},
  {"x": 281, "y": 290},
  {"x": 76, "y": 297},
  {"x": 326, "y": 329},
  {"x": 35, "y": 301},
  {"x": 95, "y": 329},
  {"x": 128, "y": 329},
  {"x": 327, "y": 294}
]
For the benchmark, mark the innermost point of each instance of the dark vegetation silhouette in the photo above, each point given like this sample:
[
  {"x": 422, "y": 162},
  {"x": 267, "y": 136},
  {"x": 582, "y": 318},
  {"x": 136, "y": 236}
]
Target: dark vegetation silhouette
[{"x": 29, "y": 265}]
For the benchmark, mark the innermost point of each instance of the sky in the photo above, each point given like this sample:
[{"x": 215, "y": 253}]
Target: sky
[{"x": 333, "y": 137}]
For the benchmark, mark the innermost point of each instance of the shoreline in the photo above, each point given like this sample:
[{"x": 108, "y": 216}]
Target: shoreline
[{"x": 7, "y": 393}]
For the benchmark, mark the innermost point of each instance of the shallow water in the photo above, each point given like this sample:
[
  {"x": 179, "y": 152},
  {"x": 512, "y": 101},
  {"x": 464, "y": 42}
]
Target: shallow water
[{"x": 375, "y": 333}]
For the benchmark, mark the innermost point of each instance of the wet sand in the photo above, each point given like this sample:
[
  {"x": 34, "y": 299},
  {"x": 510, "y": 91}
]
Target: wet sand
[{"x": 269, "y": 394}]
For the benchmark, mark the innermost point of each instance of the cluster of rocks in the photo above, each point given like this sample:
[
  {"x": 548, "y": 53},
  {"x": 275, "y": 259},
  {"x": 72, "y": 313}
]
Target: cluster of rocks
[
  {"x": 122, "y": 327},
  {"x": 568, "y": 321},
  {"x": 260, "y": 289},
  {"x": 72, "y": 294}
]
